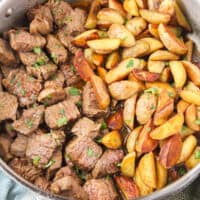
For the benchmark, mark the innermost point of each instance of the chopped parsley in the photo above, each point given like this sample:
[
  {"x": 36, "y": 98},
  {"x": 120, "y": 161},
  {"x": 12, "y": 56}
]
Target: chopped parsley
[
  {"x": 119, "y": 164},
  {"x": 152, "y": 90},
  {"x": 102, "y": 34},
  {"x": 49, "y": 97},
  {"x": 73, "y": 69},
  {"x": 170, "y": 94},
  {"x": 62, "y": 112},
  {"x": 67, "y": 157},
  {"x": 152, "y": 107},
  {"x": 197, "y": 154},
  {"x": 23, "y": 92},
  {"x": 79, "y": 173},
  {"x": 54, "y": 58},
  {"x": 99, "y": 140},
  {"x": 130, "y": 64},
  {"x": 49, "y": 164},
  {"x": 79, "y": 104},
  {"x": 62, "y": 121},
  {"x": 103, "y": 126},
  {"x": 148, "y": 129},
  {"x": 29, "y": 123},
  {"x": 36, "y": 160},
  {"x": 183, "y": 129},
  {"x": 197, "y": 121},
  {"x": 166, "y": 63},
  {"x": 74, "y": 91},
  {"x": 39, "y": 62},
  {"x": 37, "y": 50},
  {"x": 182, "y": 171},
  {"x": 90, "y": 152}
]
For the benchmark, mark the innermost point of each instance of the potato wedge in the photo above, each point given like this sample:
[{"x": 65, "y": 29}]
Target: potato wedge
[
  {"x": 191, "y": 117},
  {"x": 145, "y": 143},
  {"x": 169, "y": 128},
  {"x": 98, "y": 59},
  {"x": 103, "y": 24},
  {"x": 144, "y": 34},
  {"x": 81, "y": 40},
  {"x": 163, "y": 55},
  {"x": 104, "y": 46},
  {"x": 88, "y": 56},
  {"x": 170, "y": 151},
  {"x": 186, "y": 131},
  {"x": 171, "y": 42},
  {"x": 153, "y": 4},
  {"x": 182, "y": 106},
  {"x": 131, "y": 77},
  {"x": 115, "y": 4},
  {"x": 121, "y": 32},
  {"x": 190, "y": 46},
  {"x": 139, "y": 49},
  {"x": 115, "y": 120},
  {"x": 190, "y": 96},
  {"x": 112, "y": 60},
  {"x": 123, "y": 69},
  {"x": 191, "y": 87},
  {"x": 129, "y": 111},
  {"x": 161, "y": 175},
  {"x": 112, "y": 140},
  {"x": 165, "y": 75},
  {"x": 145, "y": 75},
  {"x": 136, "y": 25},
  {"x": 128, "y": 164},
  {"x": 127, "y": 187},
  {"x": 131, "y": 7},
  {"x": 153, "y": 29},
  {"x": 189, "y": 144},
  {"x": 102, "y": 72},
  {"x": 147, "y": 170},
  {"x": 110, "y": 15},
  {"x": 132, "y": 138},
  {"x": 193, "y": 72},
  {"x": 156, "y": 66},
  {"x": 179, "y": 73},
  {"x": 167, "y": 7},
  {"x": 154, "y": 17},
  {"x": 142, "y": 3},
  {"x": 100, "y": 91},
  {"x": 194, "y": 159},
  {"x": 124, "y": 89}
]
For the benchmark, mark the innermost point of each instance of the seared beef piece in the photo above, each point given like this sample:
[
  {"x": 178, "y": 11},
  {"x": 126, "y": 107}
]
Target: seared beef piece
[
  {"x": 42, "y": 183},
  {"x": 18, "y": 147},
  {"x": 7, "y": 56},
  {"x": 83, "y": 152},
  {"x": 60, "y": 114},
  {"x": 1, "y": 77},
  {"x": 21, "y": 40},
  {"x": 42, "y": 20},
  {"x": 30, "y": 120},
  {"x": 107, "y": 164},
  {"x": 57, "y": 51},
  {"x": 74, "y": 95},
  {"x": 100, "y": 189},
  {"x": 25, "y": 88},
  {"x": 8, "y": 106},
  {"x": 57, "y": 80},
  {"x": 50, "y": 96},
  {"x": 5, "y": 143},
  {"x": 33, "y": 59},
  {"x": 9, "y": 129},
  {"x": 6, "y": 70},
  {"x": 69, "y": 187},
  {"x": 90, "y": 105},
  {"x": 70, "y": 73},
  {"x": 25, "y": 169},
  {"x": 86, "y": 127}
]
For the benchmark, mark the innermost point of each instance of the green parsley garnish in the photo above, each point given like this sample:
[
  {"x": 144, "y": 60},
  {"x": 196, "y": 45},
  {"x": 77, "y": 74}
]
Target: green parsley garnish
[
  {"x": 39, "y": 62},
  {"x": 182, "y": 171},
  {"x": 23, "y": 92},
  {"x": 130, "y": 64},
  {"x": 36, "y": 160},
  {"x": 37, "y": 50},
  {"x": 102, "y": 34},
  {"x": 99, "y": 140},
  {"x": 54, "y": 58},
  {"x": 90, "y": 152},
  {"x": 152, "y": 90},
  {"x": 62, "y": 112},
  {"x": 74, "y": 91},
  {"x": 119, "y": 164},
  {"x": 79, "y": 104},
  {"x": 197, "y": 121},
  {"x": 79, "y": 173},
  {"x": 62, "y": 121},
  {"x": 197, "y": 154},
  {"x": 29, "y": 123},
  {"x": 103, "y": 126},
  {"x": 152, "y": 107},
  {"x": 170, "y": 94},
  {"x": 73, "y": 69},
  {"x": 49, "y": 164},
  {"x": 183, "y": 129},
  {"x": 148, "y": 129}
]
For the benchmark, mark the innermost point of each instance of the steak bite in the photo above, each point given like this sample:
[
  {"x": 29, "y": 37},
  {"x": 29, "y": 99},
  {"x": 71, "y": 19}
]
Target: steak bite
[
  {"x": 107, "y": 164},
  {"x": 73, "y": 94},
  {"x": 5, "y": 143},
  {"x": 21, "y": 40},
  {"x": 57, "y": 51},
  {"x": 25, "y": 169},
  {"x": 8, "y": 106},
  {"x": 26, "y": 88},
  {"x": 60, "y": 114},
  {"x": 83, "y": 152},
  {"x": 85, "y": 127},
  {"x": 30, "y": 120},
  {"x": 7, "y": 56},
  {"x": 100, "y": 189},
  {"x": 42, "y": 183}
]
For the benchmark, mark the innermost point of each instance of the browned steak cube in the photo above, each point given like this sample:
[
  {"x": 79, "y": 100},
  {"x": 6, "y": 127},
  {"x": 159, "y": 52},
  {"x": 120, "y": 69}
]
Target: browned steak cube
[
  {"x": 42, "y": 183},
  {"x": 5, "y": 142}
]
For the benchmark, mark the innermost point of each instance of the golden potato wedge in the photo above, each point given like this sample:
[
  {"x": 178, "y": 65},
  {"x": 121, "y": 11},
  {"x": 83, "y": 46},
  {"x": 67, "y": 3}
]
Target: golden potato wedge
[
  {"x": 186, "y": 131},
  {"x": 146, "y": 76},
  {"x": 112, "y": 60},
  {"x": 154, "y": 17},
  {"x": 115, "y": 4},
  {"x": 143, "y": 188},
  {"x": 145, "y": 107},
  {"x": 170, "y": 151},
  {"x": 121, "y": 32},
  {"x": 167, "y": 7},
  {"x": 181, "y": 19},
  {"x": 104, "y": 46},
  {"x": 170, "y": 40},
  {"x": 131, "y": 77},
  {"x": 136, "y": 25},
  {"x": 102, "y": 34},
  {"x": 102, "y": 72},
  {"x": 112, "y": 140},
  {"x": 165, "y": 75},
  {"x": 115, "y": 120},
  {"x": 153, "y": 29},
  {"x": 191, "y": 117},
  {"x": 110, "y": 15},
  {"x": 88, "y": 55},
  {"x": 145, "y": 143},
  {"x": 193, "y": 72},
  {"x": 190, "y": 46},
  {"x": 128, "y": 164},
  {"x": 139, "y": 49},
  {"x": 81, "y": 40},
  {"x": 156, "y": 66},
  {"x": 98, "y": 59},
  {"x": 127, "y": 187},
  {"x": 147, "y": 170},
  {"x": 192, "y": 97},
  {"x": 131, "y": 7},
  {"x": 179, "y": 73},
  {"x": 169, "y": 128},
  {"x": 100, "y": 91},
  {"x": 144, "y": 34},
  {"x": 123, "y": 69},
  {"x": 192, "y": 87},
  {"x": 153, "y": 4},
  {"x": 103, "y": 24},
  {"x": 129, "y": 111},
  {"x": 182, "y": 106},
  {"x": 154, "y": 44},
  {"x": 194, "y": 159},
  {"x": 161, "y": 175},
  {"x": 163, "y": 55},
  {"x": 132, "y": 138},
  {"x": 142, "y": 3},
  {"x": 189, "y": 144},
  {"x": 124, "y": 89}
]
